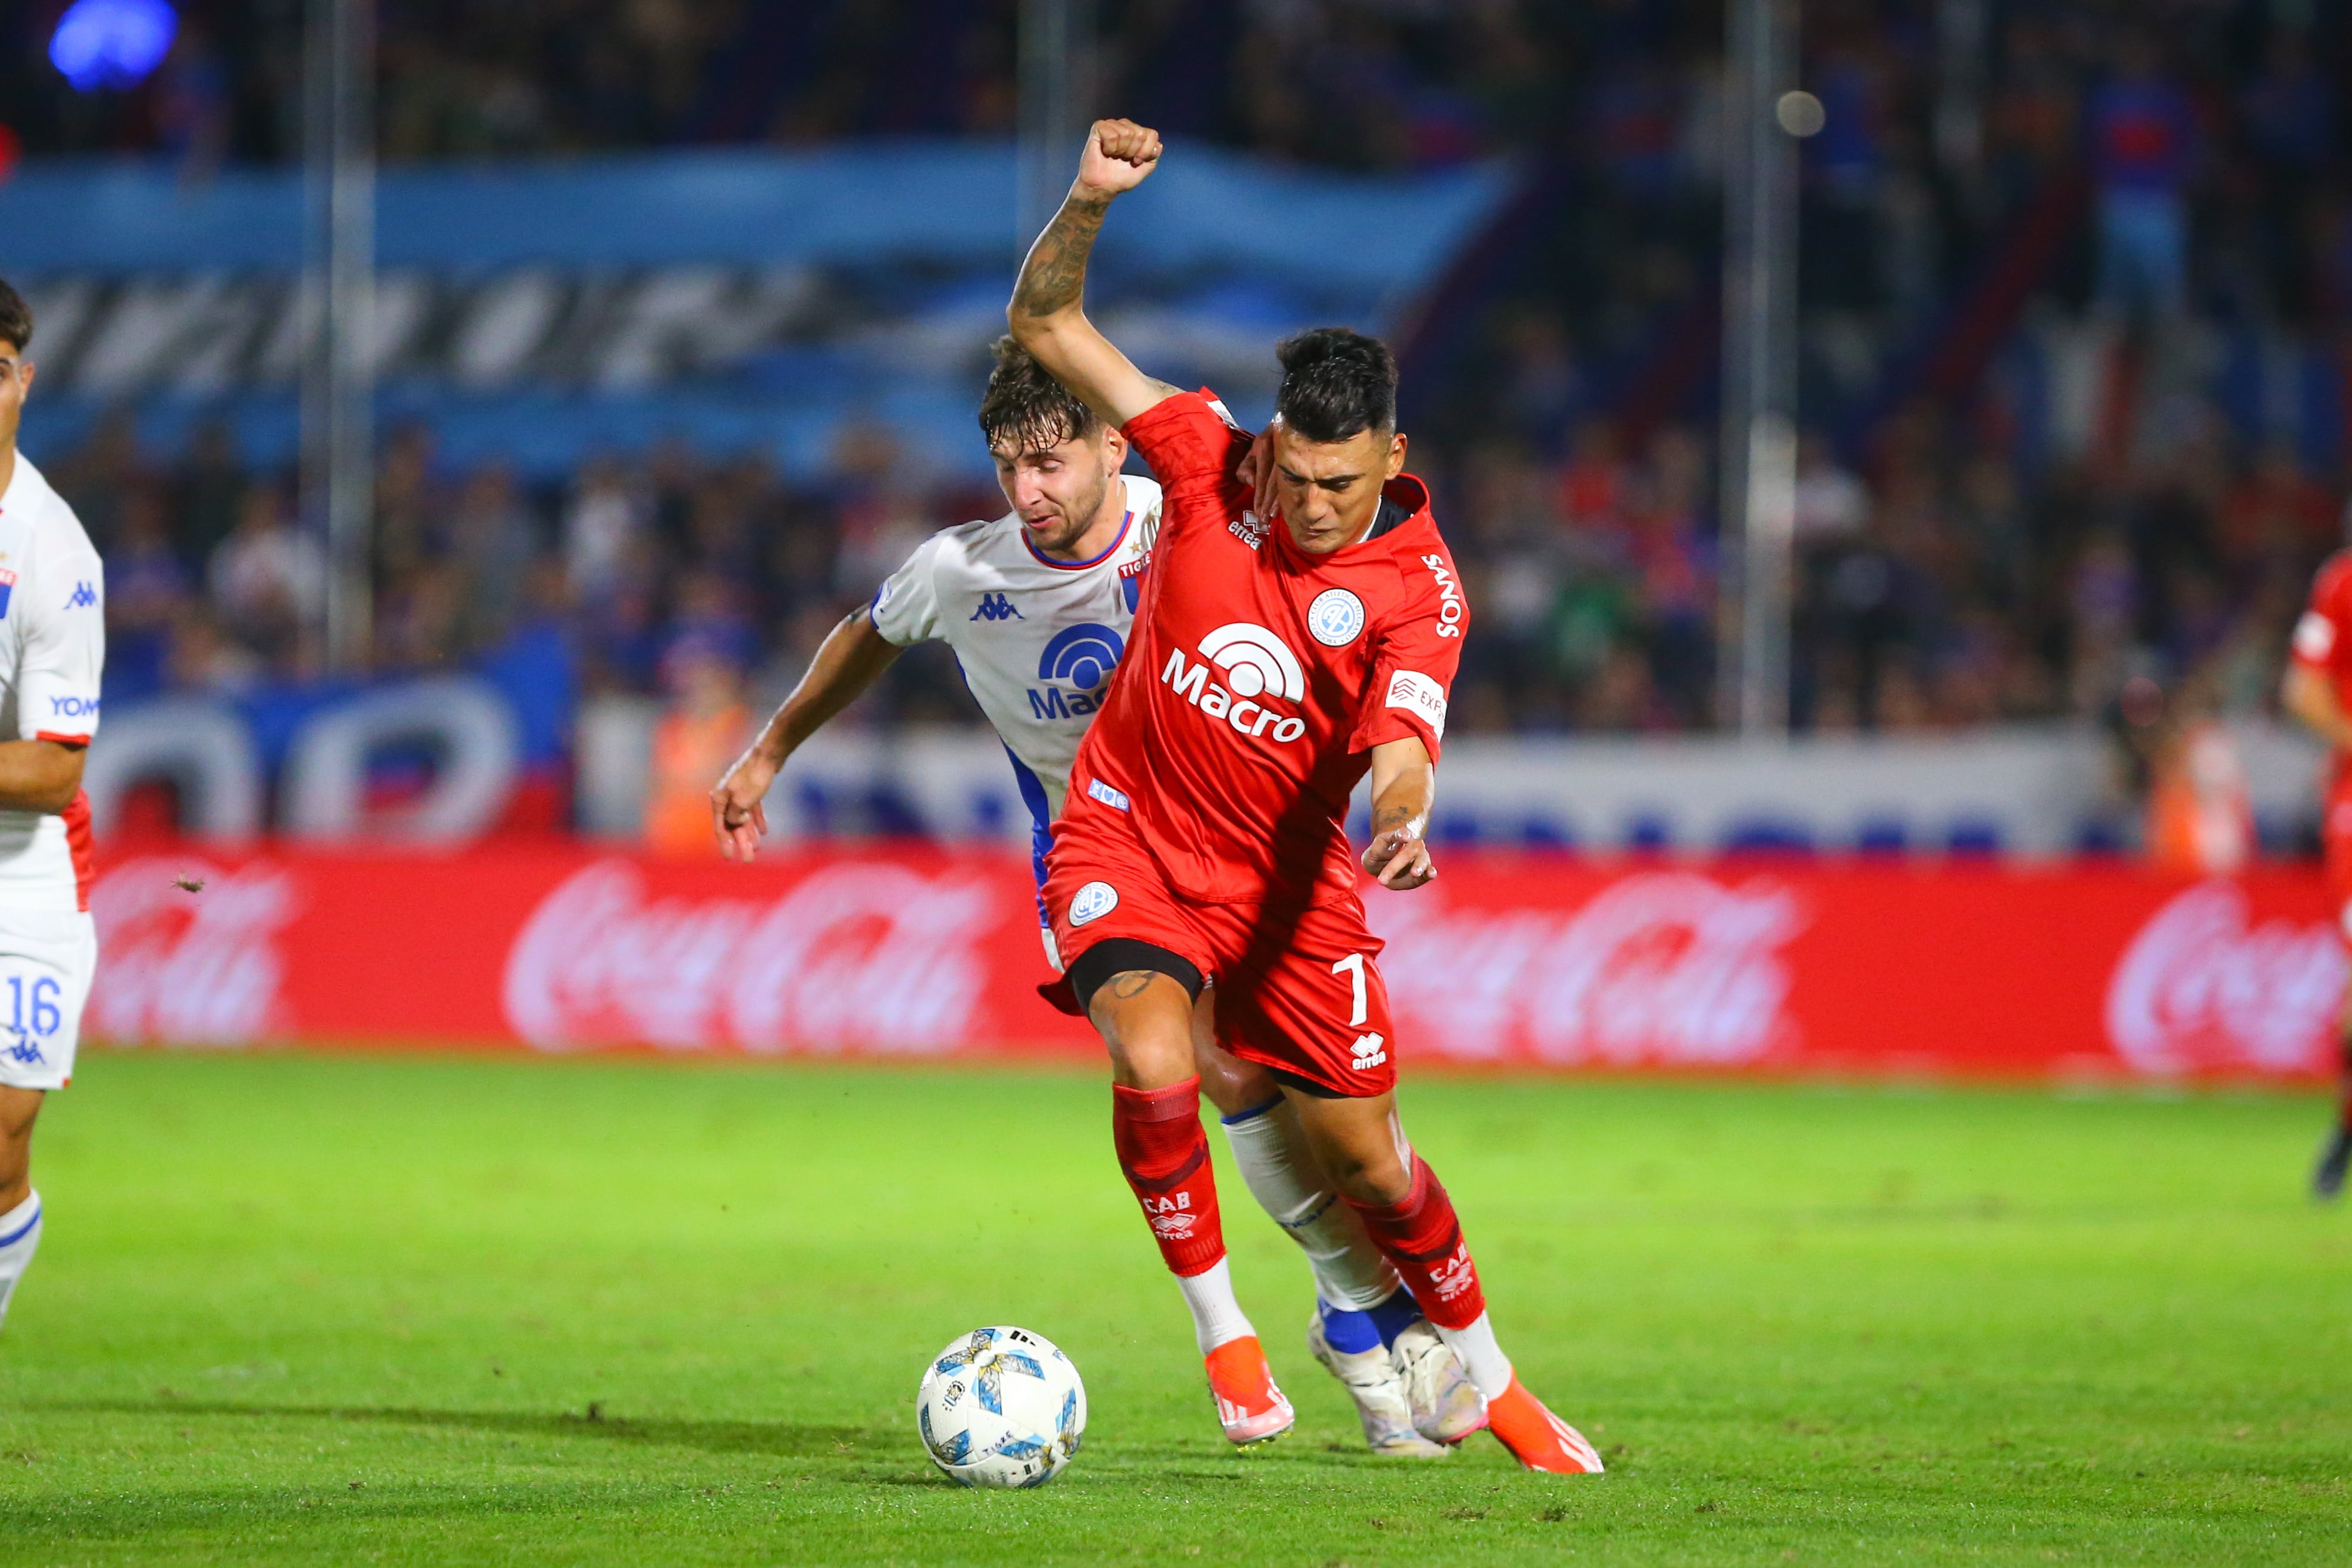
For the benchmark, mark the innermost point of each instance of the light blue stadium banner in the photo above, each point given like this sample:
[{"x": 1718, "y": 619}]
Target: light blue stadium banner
[
  {"x": 741, "y": 299},
  {"x": 950, "y": 201}
]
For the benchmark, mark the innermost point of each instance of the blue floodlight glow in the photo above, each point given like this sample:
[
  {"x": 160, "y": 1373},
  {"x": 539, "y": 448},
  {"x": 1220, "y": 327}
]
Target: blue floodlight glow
[{"x": 112, "y": 43}]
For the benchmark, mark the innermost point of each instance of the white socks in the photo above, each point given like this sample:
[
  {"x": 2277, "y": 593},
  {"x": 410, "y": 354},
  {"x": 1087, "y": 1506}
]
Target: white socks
[
  {"x": 1480, "y": 1357},
  {"x": 20, "y": 1236},
  {"x": 1217, "y": 1317},
  {"x": 1270, "y": 1147}
]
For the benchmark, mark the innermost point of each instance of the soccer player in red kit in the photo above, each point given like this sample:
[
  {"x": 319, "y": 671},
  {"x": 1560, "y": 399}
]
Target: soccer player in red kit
[
  {"x": 2318, "y": 691},
  {"x": 1273, "y": 662}
]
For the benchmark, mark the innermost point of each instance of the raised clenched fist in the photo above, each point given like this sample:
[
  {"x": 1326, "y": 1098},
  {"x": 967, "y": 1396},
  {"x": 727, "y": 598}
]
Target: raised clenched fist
[{"x": 1118, "y": 154}]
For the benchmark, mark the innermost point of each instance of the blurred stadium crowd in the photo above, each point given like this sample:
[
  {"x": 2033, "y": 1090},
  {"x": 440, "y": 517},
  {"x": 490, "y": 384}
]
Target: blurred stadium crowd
[{"x": 2078, "y": 330}]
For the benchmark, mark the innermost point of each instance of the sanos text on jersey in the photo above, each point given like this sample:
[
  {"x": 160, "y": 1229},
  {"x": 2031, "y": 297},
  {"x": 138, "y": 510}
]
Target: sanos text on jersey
[{"x": 1449, "y": 595}]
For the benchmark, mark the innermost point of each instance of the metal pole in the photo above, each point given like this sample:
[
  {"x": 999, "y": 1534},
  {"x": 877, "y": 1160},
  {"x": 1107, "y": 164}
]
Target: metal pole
[
  {"x": 1056, "y": 106},
  {"x": 1760, "y": 380},
  {"x": 339, "y": 284}
]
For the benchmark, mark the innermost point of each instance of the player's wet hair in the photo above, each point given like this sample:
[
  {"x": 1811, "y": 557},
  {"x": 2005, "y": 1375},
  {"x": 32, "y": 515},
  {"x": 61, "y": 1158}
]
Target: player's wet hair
[
  {"x": 1336, "y": 384},
  {"x": 1026, "y": 410},
  {"x": 15, "y": 319}
]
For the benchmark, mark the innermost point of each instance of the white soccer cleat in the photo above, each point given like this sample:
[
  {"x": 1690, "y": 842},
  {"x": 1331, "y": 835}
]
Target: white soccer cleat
[
  {"x": 1446, "y": 1406},
  {"x": 1371, "y": 1381}
]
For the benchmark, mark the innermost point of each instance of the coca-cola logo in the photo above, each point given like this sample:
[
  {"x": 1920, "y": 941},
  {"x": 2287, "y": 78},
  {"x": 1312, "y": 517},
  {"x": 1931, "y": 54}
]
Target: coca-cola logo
[
  {"x": 177, "y": 967},
  {"x": 1666, "y": 967},
  {"x": 858, "y": 956},
  {"x": 2202, "y": 989}
]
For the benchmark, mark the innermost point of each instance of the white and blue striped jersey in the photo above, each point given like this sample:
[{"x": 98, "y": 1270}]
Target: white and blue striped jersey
[{"x": 1037, "y": 638}]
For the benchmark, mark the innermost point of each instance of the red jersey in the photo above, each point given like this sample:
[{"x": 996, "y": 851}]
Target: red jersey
[
  {"x": 1258, "y": 677},
  {"x": 2323, "y": 638}
]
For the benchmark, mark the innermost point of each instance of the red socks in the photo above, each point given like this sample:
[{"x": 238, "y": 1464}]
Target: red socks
[
  {"x": 1165, "y": 1154},
  {"x": 1421, "y": 1237}
]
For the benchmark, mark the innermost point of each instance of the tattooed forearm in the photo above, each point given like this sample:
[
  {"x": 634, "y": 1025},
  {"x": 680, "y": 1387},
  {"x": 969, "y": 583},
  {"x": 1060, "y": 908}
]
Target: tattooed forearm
[
  {"x": 1053, "y": 278},
  {"x": 1389, "y": 818}
]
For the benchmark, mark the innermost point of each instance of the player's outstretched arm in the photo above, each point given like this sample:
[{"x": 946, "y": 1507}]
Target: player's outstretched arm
[
  {"x": 1047, "y": 314},
  {"x": 1404, "y": 788},
  {"x": 852, "y": 658},
  {"x": 2308, "y": 695}
]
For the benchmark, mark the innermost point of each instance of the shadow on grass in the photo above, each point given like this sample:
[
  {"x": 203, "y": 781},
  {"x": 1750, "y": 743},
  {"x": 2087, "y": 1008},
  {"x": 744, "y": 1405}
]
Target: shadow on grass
[{"x": 781, "y": 1439}]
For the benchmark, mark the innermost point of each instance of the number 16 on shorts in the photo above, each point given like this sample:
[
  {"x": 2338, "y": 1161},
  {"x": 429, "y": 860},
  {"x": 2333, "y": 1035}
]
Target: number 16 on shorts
[{"x": 44, "y": 979}]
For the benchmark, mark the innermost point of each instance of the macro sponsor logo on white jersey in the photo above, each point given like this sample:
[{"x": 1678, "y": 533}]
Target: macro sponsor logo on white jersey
[
  {"x": 1256, "y": 664},
  {"x": 860, "y": 955},
  {"x": 2203, "y": 989}
]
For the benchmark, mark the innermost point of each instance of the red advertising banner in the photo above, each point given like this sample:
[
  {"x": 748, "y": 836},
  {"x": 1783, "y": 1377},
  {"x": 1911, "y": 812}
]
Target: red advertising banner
[{"x": 1508, "y": 961}]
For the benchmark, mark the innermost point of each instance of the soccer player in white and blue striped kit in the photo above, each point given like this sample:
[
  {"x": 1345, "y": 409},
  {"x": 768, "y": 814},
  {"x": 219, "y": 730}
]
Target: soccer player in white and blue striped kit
[{"x": 1037, "y": 605}]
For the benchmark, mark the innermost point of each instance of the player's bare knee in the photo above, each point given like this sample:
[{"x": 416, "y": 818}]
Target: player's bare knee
[{"x": 1145, "y": 1020}]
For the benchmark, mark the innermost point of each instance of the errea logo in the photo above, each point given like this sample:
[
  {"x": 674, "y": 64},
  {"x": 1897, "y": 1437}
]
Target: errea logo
[{"x": 1255, "y": 663}]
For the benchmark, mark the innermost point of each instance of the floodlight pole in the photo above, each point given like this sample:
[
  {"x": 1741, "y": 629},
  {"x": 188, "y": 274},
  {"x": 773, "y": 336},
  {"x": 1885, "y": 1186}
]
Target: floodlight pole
[
  {"x": 338, "y": 285},
  {"x": 1759, "y": 368},
  {"x": 1056, "y": 105}
]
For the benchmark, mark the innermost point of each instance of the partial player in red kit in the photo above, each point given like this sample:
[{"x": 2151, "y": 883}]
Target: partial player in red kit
[
  {"x": 2318, "y": 691},
  {"x": 1273, "y": 661}
]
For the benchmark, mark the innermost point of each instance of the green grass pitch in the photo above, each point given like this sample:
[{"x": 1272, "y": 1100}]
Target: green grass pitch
[{"x": 428, "y": 1310}]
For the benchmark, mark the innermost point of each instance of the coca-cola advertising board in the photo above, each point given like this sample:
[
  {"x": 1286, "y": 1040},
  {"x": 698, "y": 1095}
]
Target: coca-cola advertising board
[{"x": 1776, "y": 966}]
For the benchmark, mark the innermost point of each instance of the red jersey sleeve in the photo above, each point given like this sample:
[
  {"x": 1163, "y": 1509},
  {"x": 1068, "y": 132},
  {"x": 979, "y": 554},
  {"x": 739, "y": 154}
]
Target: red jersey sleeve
[
  {"x": 2323, "y": 638},
  {"x": 1416, "y": 650},
  {"x": 1194, "y": 449}
]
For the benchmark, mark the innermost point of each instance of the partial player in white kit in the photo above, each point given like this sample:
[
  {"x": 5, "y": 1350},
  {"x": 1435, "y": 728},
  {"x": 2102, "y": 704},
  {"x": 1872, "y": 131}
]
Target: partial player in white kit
[
  {"x": 52, "y": 650},
  {"x": 1037, "y": 605}
]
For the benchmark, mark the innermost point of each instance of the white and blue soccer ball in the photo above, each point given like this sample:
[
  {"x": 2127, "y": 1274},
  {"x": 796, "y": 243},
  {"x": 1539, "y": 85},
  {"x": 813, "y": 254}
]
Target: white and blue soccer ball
[{"x": 1001, "y": 1407}]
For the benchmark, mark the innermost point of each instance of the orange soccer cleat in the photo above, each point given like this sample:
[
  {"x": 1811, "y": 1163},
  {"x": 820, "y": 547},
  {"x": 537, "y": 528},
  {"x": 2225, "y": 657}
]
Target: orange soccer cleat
[
  {"x": 1537, "y": 1438},
  {"x": 1249, "y": 1406}
]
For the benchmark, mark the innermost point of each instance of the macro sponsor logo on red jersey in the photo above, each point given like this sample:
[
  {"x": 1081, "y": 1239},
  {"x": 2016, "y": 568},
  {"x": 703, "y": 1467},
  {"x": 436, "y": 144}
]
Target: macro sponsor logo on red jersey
[{"x": 1257, "y": 665}]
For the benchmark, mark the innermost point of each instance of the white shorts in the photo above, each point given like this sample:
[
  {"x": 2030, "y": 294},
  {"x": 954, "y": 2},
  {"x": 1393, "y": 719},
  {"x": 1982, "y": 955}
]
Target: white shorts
[{"x": 47, "y": 958}]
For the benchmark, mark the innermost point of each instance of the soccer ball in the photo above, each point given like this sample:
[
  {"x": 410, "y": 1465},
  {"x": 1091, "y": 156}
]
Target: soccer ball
[{"x": 1001, "y": 1407}]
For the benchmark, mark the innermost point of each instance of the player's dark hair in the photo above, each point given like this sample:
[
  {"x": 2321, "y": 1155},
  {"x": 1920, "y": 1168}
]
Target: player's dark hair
[
  {"x": 1336, "y": 384},
  {"x": 15, "y": 319},
  {"x": 1027, "y": 410}
]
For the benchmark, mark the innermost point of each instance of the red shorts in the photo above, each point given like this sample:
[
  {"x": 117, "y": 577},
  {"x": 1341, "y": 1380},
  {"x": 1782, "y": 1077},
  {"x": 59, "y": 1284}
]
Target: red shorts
[
  {"x": 1298, "y": 987},
  {"x": 2336, "y": 834}
]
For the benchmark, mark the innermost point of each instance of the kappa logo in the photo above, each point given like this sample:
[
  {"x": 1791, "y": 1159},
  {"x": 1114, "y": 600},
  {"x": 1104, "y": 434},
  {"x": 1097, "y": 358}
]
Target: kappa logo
[
  {"x": 996, "y": 607},
  {"x": 83, "y": 597},
  {"x": 1255, "y": 663},
  {"x": 1371, "y": 1050},
  {"x": 25, "y": 1053}
]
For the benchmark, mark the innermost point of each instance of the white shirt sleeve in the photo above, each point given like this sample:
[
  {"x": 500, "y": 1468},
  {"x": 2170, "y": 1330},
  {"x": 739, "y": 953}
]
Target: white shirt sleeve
[
  {"x": 60, "y": 593},
  {"x": 906, "y": 608}
]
